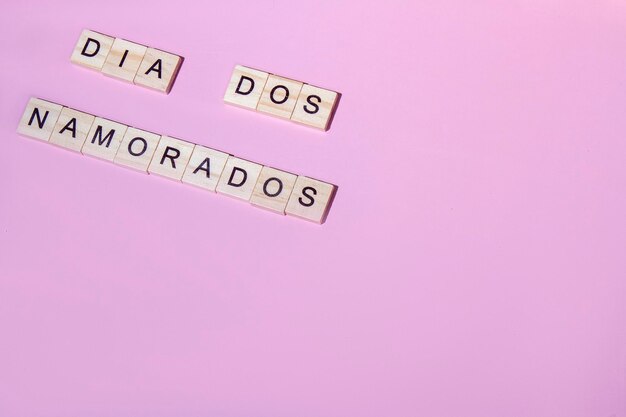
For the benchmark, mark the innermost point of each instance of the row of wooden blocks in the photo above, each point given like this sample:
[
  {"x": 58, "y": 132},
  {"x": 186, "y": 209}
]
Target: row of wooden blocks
[
  {"x": 281, "y": 97},
  {"x": 269, "y": 188},
  {"x": 128, "y": 61}
]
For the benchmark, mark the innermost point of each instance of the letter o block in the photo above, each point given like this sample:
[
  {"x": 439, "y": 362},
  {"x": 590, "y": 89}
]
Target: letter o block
[
  {"x": 91, "y": 50},
  {"x": 245, "y": 87}
]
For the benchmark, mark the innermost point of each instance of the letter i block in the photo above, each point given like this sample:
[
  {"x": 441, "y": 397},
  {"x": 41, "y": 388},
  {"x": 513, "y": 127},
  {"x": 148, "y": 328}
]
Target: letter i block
[
  {"x": 171, "y": 158},
  {"x": 39, "y": 119},
  {"x": 158, "y": 70},
  {"x": 239, "y": 178},
  {"x": 92, "y": 49},
  {"x": 124, "y": 59},
  {"x": 245, "y": 87},
  {"x": 104, "y": 139},
  {"x": 311, "y": 199}
]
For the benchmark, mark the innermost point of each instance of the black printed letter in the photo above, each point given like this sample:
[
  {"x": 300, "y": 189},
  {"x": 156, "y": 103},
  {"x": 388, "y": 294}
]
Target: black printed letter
[
  {"x": 170, "y": 157},
  {"x": 142, "y": 151},
  {"x": 155, "y": 67},
  {"x": 90, "y": 54},
  {"x": 308, "y": 100},
  {"x": 232, "y": 176},
  {"x": 106, "y": 138},
  {"x": 280, "y": 187},
  {"x": 244, "y": 93},
  {"x": 71, "y": 126},
  {"x": 284, "y": 98},
  {"x": 308, "y": 203},
  {"x": 201, "y": 167}
]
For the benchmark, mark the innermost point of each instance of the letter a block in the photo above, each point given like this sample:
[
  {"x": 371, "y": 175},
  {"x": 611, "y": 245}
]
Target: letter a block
[
  {"x": 71, "y": 129},
  {"x": 158, "y": 70},
  {"x": 245, "y": 87},
  {"x": 92, "y": 49}
]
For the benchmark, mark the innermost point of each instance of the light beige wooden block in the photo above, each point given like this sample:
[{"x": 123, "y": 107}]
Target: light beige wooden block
[
  {"x": 239, "y": 178},
  {"x": 104, "y": 139},
  {"x": 158, "y": 70},
  {"x": 273, "y": 189},
  {"x": 137, "y": 149},
  {"x": 124, "y": 59},
  {"x": 205, "y": 167},
  {"x": 245, "y": 87},
  {"x": 71, "y": 129},
  {"x": 92, "y": 49},
  {"x": 315, "y": 107},
  {"x": 39, "y": 119},
  {"x": 279, "y": 96},
  {"x": 310, "y": 199},
  {"x": 171, "y": 158}
]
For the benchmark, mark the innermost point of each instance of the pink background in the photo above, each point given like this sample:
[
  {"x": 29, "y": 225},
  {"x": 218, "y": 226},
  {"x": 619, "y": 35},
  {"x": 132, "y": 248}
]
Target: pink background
[{"x": 472, "y": 265}]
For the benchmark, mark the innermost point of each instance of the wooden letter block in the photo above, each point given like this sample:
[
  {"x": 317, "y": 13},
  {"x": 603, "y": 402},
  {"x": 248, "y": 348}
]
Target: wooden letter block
[
  {"x": 245, "y": 87},
  {"x": 158, "y": 70},
  {"x": 205, "y": 167},
  {"x": 39, "y": 119},
  {"x": 91, "y": 50},
  {"x": 315, "y": 107},
  {"x": 273, "y": 189},
  {"x": 137, "y": 149},
  {"x": 310, "y": 199},
  {"x": 279, "y": 96},
  {"x": 104, "y": 139},
  {"x": 124, "y": 59},
  {"x": 239, "y": 178},
  {"x": 171, "y": 158},
  {"x": 71, "y": 129}
]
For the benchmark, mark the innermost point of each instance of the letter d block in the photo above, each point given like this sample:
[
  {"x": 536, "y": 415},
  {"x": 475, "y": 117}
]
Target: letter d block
[
  {"x": 39, "y": 119},
  {"x": 92, "y": 49},
  {"x": 245, "y": 87},
  {"x": 239, "y": 178}
]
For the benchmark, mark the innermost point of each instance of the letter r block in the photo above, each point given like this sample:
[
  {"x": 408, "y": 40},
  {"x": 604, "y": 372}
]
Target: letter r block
[
  {"x": 91, "y": 50},
  {"x": 245, "y": 87},
  {"x": 171, "y": 158}
]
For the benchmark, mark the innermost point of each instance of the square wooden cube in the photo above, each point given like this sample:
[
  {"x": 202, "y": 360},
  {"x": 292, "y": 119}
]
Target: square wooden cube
[
  {"x": 137, "y": 148},
  {"x": 315, "y": 107},
  {"x": 124, "y": 59},
  {"x": 92, "y": 49},
  {"x": 104, "y": 139},
  {"x": 205, "y": 167},
  {"x": 273, "y": 189},
  {"x": 311, "y": 199},
  {"x": 245, "y": 87},
  {"x": 72, "y": 129},
  {"x": 171, "y": 158},
  {"x": 279, "y": 96},
  {"x": 39, "y": 118},
  {"x": 158, "y": 70},
  {"x": 239, "y": 178}
]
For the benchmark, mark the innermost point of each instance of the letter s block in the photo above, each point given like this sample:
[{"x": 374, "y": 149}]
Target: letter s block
[
  {"x": 245, "y": 87},
  {"x": 92, "y": 49},
  {"x": 315, "y": 107},
  {"x": 311, "y": 199}
]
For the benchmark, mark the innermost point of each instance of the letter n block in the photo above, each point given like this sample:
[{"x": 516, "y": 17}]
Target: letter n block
[
  {"x": 245, "y": 87},
  {"x": 92, "y": 49},
  {"x": 39, "y": 119}
]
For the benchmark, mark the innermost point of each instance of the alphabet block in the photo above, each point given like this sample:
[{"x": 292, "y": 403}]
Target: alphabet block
[
  {"x": 239, "y": 178},
  {"x": 273, "y": 189},
  {"x": 71, "y": 129},
  {"x": 137, "y": 148},
  {"x": 205, "y": 167},
  {"x": 311, "y": 199},
  {"x": 124, "y": 59},
  {"x": 158, "y": 70},
  {"x": 279, "y": 96},
  {"x": 104, "y": 139},
  {"x": 171, "y": 158},
  {"x": 39, "y": 119},
  {"x": 245, "y": 87},
  {"x": 315, "y": 107},
  {"x": 91, "y": 50}
]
